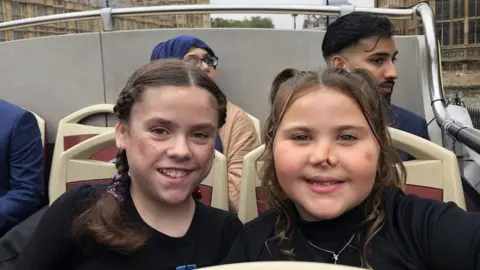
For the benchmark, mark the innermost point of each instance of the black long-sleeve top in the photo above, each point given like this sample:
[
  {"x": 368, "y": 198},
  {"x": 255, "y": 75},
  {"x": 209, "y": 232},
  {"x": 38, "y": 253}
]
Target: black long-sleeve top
[
  {"x": 207, "y": 241},
  {"x": 418, "y": 234}
]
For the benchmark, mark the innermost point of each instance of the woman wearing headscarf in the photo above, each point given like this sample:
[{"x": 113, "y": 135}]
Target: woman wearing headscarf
[{"x": 238, "y": 136}]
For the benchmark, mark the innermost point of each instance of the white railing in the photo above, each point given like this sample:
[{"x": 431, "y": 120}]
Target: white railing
[{"x": 468, "y": 136}]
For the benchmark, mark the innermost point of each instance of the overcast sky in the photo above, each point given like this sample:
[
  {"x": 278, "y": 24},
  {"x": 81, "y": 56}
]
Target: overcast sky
[{"x": 280, "y": 21}]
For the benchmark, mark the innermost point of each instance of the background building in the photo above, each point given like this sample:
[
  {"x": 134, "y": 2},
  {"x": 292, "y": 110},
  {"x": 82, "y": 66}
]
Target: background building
[
  {"x": 19, "y": 9},
  {"x": 321, "y": 22},
  {"x": 458, "y": 31}
]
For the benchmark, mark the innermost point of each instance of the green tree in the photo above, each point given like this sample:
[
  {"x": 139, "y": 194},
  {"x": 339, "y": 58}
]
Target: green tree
[{"x": 253, "y": 22}]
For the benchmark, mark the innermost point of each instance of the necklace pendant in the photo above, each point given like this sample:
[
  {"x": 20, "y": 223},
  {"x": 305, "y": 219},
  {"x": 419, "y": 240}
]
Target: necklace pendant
[{"x": 335, "y": 257}]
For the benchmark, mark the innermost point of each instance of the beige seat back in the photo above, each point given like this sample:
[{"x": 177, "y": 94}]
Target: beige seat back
[
  {"x": 256, "y": 124},
  {"x": 250, "y": 203},
  {"x": 435, "y": 174},
  {"x": 42, "y": 126},
  {"x": 284, "y": 265},
  {"x": 76, "y": 166},
  {"x": 214, "y": 187},
  {"x": 70, "y": 133}
]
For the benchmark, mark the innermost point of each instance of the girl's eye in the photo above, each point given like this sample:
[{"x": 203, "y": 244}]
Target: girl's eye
[
  {"x": 300, "y": 138},
  {"x": 201, "y": 135},
  {"x": 347, "y": 137},
  {"x": 160, "y": 131}
]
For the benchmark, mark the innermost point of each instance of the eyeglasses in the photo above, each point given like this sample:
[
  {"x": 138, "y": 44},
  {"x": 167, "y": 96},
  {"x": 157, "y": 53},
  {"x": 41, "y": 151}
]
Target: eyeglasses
[{"x": 209, "y": 60}]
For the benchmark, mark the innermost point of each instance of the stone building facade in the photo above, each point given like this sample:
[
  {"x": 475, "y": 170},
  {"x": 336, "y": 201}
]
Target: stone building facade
[
  {"x": 19, "y": 9},
  {"x": 458, "y": 31}
]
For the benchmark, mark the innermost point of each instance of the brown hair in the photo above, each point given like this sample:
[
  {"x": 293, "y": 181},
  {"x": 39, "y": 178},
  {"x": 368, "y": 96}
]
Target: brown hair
[
  {"x": 103, "y": 221},
  {"x": 360, "y": 87},
  {"x": 287, "y": 77}
]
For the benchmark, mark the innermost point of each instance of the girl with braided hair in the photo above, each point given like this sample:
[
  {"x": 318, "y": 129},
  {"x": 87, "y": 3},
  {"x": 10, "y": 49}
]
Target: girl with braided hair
[
  {"x": 238, "y": 136},
  {"x": 168, "y": 116}
]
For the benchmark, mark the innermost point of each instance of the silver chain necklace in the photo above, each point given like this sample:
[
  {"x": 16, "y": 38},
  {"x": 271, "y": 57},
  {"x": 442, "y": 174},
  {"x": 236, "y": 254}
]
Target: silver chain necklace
[{"x": 335, "y": 255}]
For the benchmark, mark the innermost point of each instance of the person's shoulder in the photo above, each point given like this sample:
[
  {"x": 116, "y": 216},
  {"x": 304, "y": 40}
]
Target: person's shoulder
[
  {"x": 79, "y": 197},
  {"x": 404, "y": 114},
  {"x": 406, "y": 208},
  {"x": 235, "y": 112},
  {"x": 12, "y": 111},
  {"x": 261, "y": 227},
  {"x": 217, "y": 217}
]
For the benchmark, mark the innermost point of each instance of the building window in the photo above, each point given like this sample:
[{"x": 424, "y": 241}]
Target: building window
[
  {"x": 91, "y": 26},
  {"x": 1, "y": 12},
  {"x": 442, "y": 10},
  {"x": 443, "y": 33},
  {"x": 18, "y": 35},
  {"x": 473, "y": 31},
  {"x": 2, "y": 36},
  {"x": 40, "y": 11},
  {"x": 473, "y": 8},
  {"x": 458, "y": 32},
  {"x": 473, "y": 66},
  {"x": 16, "y": 11},
  {"x": 79, "y": 27},
  {"x": 459, "y": 9}
]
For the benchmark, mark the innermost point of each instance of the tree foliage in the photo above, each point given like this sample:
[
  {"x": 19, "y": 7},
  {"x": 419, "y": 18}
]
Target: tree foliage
[{"x": 253, "y": 22}]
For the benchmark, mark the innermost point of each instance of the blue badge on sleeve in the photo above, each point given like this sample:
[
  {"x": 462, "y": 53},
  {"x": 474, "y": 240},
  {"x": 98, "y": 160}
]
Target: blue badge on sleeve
[{"x": 187, "y": 267}]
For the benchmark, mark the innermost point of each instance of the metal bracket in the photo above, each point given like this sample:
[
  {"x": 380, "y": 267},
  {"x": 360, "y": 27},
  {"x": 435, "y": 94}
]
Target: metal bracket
[
  {"x": 107, "y": 19},
  {"x": 447, "y": 124},
  {"x": 346, "y": 9},
  {"x": 416, "y": 14}
]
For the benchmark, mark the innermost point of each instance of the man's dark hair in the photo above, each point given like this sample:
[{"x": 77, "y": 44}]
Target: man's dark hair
[{"x": 349, "y": 29}]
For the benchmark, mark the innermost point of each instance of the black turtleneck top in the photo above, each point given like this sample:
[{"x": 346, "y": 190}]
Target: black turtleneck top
[
  {"x": 52, "y": 246},
  {"x": 418, "y": 234}
]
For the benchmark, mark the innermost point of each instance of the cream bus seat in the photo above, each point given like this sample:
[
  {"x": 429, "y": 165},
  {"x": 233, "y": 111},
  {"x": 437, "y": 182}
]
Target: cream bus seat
[
  {"x": 71, "y": 132},
  {"x": 214, "y": 187},
  {"x": 250, "y": 203},
  {"x": 75, "y": 166},
  {"x": 284, "y": 265},
  {"x": 433, "y": 175},
  {"x": 42, "y": 126},
  {"x": 256, "y": 124}
]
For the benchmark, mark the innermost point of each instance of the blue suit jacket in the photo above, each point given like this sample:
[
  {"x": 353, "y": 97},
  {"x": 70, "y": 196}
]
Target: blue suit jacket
[
  {"x": 21, "y": 165},
  {"x": 409, "y": 122}
]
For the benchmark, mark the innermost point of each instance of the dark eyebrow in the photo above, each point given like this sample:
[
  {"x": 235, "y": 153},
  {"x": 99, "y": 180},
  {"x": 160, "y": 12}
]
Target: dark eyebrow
[
  {"x": 350, "y": 127},
  {"x": 384, "y": 54},
  {"x": 168, "y": 123},
  {"x": 301, "y": 128},
  {"x": 338, "y": 129},
  {"x": 197, "y": 56}
]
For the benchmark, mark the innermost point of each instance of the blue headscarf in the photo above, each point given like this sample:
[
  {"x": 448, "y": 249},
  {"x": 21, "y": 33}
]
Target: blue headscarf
[{"x": 178, "y": 47}]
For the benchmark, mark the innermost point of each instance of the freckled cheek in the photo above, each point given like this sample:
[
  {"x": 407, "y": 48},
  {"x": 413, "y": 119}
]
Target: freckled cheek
[
  {"x": 288, "y": 167},
  {"x": 368, "y": 156},
  {"x": 363, "y": 164},
  {"x": 146, "y": 148}
]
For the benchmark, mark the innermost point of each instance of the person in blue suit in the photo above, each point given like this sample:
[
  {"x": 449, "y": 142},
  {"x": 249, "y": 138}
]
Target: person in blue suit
[
  {"x": 21, "y": 166},
  {"x": 365, "y": 40}
]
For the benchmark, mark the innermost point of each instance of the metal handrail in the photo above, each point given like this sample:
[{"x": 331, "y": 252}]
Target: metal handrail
[
  {"x": 196, "y": 9},
  {"x": 468, "y": 136}
]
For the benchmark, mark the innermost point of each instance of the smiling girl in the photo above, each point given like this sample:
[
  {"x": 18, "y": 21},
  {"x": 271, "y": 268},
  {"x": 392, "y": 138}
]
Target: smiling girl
[
  {"x": 168, "y": 116},
  {"x": 331, "y": 181}
]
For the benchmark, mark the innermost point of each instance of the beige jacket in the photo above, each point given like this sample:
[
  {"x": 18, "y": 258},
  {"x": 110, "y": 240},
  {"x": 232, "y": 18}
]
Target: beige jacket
[{"x": 238, "y": 138}]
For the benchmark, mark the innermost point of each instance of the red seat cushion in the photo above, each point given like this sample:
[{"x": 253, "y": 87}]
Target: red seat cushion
[{"x": 425, "y": 192}]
